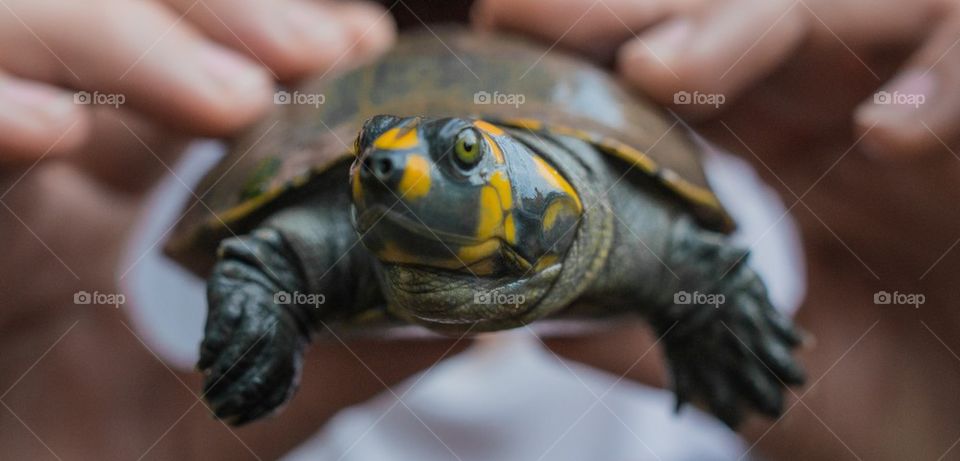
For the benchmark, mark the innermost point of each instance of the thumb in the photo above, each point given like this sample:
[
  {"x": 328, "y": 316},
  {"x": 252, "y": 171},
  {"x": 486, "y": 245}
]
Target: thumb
[{"x": 916, "y": 112}]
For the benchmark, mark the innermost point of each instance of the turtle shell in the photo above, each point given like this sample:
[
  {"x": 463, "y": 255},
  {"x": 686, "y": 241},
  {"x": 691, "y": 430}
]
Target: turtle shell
[{"x": 448, "y": 72}]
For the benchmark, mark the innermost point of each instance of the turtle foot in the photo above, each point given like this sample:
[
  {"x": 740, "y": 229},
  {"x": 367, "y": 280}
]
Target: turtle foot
[
  {"x": 252, "y": 350},
  {"x": 731, "y": 349}
]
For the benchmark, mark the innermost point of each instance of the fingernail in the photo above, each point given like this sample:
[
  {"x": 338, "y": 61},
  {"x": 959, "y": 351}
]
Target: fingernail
[
  {"x": 315, "y": 28},
  {"x": 36, "y": 102},
  {"x": 899, "y": 100},
  {"x": 232, "y": 73},
  {"x": 665, "y": 40}
]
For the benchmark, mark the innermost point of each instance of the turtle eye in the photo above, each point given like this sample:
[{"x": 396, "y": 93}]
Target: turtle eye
[{"x": 468, "y": 149}]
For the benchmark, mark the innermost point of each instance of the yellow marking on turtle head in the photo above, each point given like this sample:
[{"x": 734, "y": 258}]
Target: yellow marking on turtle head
[
  {"x": 398, "y": 138},
  {"x": 559, "y": 207},
  {"x": 415, "y": 182},
  {"x": 555, "y": 179},
  {"x": 580, "y": 134},
  {"x": 356, "y": 186},
  {"x": 510, "y": 229},
  {"x": 488, "y": 127},
  {"x": 500, "y": 182},
  {"x": 526, "y": 123},
  {"x": 515, "y": 259},
  {"x": 545, "y": 262},
  {"x": 393, "y": 253},
  {"x": 483, "y": 268},
  {"x": 491, "y": 213},
  {"x": 489, "y": 131},
  {"x": 495, "y": 148},
  {"x": 483, "y": 250}
]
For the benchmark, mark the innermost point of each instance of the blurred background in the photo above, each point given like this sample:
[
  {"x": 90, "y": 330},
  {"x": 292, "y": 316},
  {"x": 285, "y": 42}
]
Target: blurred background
[{"x": 836, "y": 149}]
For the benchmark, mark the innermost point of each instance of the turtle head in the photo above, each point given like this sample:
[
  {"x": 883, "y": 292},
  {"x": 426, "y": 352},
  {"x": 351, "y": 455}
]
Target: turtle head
[{"x": 460, "y": 200}]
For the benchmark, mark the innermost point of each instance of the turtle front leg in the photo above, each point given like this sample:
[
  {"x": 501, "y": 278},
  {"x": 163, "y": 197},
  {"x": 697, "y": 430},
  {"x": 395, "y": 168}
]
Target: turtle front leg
[
  {"x": 253, "y": 344},
  {"x": 726, "y": 344}
]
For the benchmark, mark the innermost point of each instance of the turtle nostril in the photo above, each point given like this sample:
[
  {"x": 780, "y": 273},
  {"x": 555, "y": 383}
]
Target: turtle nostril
[
  {"x": 366, "y": 167},
  {"x": 379, "y": 166}
]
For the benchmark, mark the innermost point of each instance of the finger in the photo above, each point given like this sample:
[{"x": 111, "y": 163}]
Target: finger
[
  {"x": 917, "y": 111},
  {"x": 37, "y": 120},
  {"x": 595, "y": 28},
  {"x": 702, "y": 61},
  {"x": 633, "y": 352},
  {"x": 293, "y": 37},
  {"x": 126, "y": 151},
  {"x": 139, "y": 56}
]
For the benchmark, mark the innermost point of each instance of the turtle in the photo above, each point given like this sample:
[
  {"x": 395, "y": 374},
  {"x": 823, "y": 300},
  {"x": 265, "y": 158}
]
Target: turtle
[{"x": 467, "y": 182}]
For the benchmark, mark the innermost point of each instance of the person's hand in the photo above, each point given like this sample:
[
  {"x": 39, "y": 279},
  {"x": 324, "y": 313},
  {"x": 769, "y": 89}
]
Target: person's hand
[
  {"x": 76, "y": 381},
  {"x": 850, "y": 109},
  {"x": 204, "y": 67}
]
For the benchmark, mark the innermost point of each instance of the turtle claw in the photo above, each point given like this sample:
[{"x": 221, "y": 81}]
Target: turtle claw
[
  {"x": 737, "y": 358},
  {"x": 255, "y": 386}
]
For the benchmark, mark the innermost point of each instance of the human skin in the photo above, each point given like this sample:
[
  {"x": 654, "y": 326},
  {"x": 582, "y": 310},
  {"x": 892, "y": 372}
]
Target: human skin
[
  {"x": 76, "y": 382},
  {"x": 204, "y": 68},
  {"x": 871, "y": 187}
]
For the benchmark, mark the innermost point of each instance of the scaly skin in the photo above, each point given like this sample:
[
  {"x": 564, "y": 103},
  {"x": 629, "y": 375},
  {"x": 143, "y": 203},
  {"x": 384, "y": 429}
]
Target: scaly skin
[
  {"x": 253, "y": 346},
  {"x": 732, "y": 357}
]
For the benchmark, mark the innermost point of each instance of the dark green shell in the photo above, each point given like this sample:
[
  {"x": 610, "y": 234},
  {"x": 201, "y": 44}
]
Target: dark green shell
[{"x": 448, "y": 74}]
